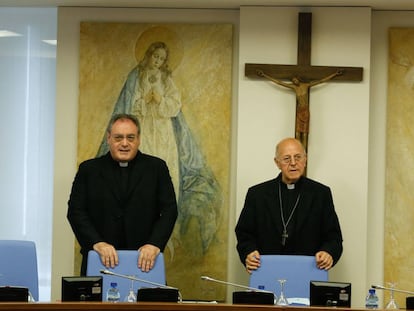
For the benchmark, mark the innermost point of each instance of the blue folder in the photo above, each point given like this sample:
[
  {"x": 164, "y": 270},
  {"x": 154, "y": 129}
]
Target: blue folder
[{"x": 297, "y": 270}]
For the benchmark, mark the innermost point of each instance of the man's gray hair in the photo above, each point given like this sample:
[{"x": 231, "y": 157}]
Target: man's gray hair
[{"x": 121, "y": 116}]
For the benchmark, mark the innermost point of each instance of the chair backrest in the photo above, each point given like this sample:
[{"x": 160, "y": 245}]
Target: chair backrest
[
  {"x": 128, "y": 260},
  {"x": 297, "y": 270},
  {"x": 18, "y": 265}
]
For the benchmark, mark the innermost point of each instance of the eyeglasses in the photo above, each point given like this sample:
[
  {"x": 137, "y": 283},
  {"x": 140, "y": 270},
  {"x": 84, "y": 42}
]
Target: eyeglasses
[
  {"x": 130, "y": 138},
  {"x": 289, "y": 159}
]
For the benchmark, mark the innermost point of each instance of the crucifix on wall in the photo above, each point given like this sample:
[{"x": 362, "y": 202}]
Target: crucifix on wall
[{"x": 302, "y": 76}]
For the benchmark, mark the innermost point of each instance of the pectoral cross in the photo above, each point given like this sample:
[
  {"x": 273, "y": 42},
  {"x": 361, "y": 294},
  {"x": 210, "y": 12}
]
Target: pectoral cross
[
  {"x": 285, "y": 235},
  {"x": 303, "y": 76}
]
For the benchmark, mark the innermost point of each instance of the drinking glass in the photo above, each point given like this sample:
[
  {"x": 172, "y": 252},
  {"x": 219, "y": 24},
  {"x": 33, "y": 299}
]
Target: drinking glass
[
  {"x": 392, "y": 304},
  {"x": 131, "y": 297},
  {"x": 282, "y": 301}
]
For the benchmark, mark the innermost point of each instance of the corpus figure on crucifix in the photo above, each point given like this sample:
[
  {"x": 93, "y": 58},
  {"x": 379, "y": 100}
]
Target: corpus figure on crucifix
[
  {"x": 301, "y": 88},
  {"x": 309, "y": 76}
]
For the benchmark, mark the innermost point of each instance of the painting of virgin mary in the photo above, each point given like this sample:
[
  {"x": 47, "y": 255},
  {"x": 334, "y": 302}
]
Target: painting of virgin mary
[{"x": 156, "y": 91}]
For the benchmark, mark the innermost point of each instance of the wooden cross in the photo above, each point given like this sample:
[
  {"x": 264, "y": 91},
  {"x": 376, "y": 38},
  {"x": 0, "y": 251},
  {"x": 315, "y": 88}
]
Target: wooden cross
[{"x": 302, "y": 76}]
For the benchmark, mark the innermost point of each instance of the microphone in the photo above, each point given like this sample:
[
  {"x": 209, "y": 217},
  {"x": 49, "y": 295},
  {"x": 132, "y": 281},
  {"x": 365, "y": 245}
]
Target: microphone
[
  {"x": 133, "y": 278},
  {"x": 207, "y": 278},
  {"x": 253, "y": 296},
  {"x": 163, "y": 293},
  {"x": 392, "y": 289}
]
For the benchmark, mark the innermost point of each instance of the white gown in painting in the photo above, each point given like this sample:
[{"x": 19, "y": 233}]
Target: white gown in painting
[{"x": 157, "y": 133}]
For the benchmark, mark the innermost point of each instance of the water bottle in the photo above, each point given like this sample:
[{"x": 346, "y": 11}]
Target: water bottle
[
  {"x": 113, "y": 294},
  {"x": 371, "y": 302}
]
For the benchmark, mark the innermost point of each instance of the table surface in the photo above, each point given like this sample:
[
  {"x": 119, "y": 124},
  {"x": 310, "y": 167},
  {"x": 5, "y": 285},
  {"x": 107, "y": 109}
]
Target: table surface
[{"x": 155, "y": 306}]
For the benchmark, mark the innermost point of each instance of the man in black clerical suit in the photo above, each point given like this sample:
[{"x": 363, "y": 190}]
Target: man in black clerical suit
[
  {"x": 122, "y": 200},
  {"x": 290, "y": 214}
]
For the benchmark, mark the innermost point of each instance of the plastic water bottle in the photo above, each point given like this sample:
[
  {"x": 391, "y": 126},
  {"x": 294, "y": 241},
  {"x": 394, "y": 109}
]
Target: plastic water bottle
[
  {"x": 113, "y": 294},
  {"x": 371, "y": 302}
]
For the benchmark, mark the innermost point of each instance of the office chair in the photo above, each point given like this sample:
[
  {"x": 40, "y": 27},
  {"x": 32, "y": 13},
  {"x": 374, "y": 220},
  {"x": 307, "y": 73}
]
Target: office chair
[
  {"x": 128, "y": 260},
  {"x": 18, "y": 265},
  {"x": 297, "y": 270}
]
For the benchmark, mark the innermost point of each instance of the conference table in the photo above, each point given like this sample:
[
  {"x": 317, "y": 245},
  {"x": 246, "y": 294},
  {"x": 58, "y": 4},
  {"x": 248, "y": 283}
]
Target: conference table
[{"x": 156, "y": 306}]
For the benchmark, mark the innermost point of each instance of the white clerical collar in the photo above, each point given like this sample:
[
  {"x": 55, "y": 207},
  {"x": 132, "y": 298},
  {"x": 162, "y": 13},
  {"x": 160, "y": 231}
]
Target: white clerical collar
[
  {"x": 123, "y": 164},
  {"x": 290, "y": 186}
]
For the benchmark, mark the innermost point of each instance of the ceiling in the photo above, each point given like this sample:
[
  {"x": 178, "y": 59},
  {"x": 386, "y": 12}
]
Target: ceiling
[{"x": 221, "y": 4}]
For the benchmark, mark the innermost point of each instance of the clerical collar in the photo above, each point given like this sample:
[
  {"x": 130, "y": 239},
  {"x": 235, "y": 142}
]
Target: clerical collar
[
  {"x": 293, "y": 186},
  {"x": 288, "y": 186},
  {"x": 123, "y": 164}
]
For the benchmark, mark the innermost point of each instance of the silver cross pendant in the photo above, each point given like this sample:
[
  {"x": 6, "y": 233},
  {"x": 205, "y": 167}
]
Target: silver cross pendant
[{"x": 285, "y": 235}]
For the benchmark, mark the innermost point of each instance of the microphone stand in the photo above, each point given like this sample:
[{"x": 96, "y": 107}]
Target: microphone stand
[{"x": 133, "y": 278}]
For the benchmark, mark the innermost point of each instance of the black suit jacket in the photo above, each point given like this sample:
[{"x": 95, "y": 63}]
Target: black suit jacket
[
  {"x": 146, "y": 214},
  {"x": 316, "y": 224}
]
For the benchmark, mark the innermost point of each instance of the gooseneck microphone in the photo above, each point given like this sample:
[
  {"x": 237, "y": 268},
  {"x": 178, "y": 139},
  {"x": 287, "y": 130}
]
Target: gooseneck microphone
[
  {"x": 207, "y": 278},
  {"x": 252, "y": 296},
  {"x": 133, "y": 278},
  {"x": 163, "y": 293},
  {"x": 392, "y": 289}
]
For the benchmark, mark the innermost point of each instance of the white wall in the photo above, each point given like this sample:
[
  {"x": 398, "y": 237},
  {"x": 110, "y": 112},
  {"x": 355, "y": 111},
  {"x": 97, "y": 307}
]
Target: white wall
[
  {"x": 347, "y": 139},
  {"x": 339, "y": 126}
]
